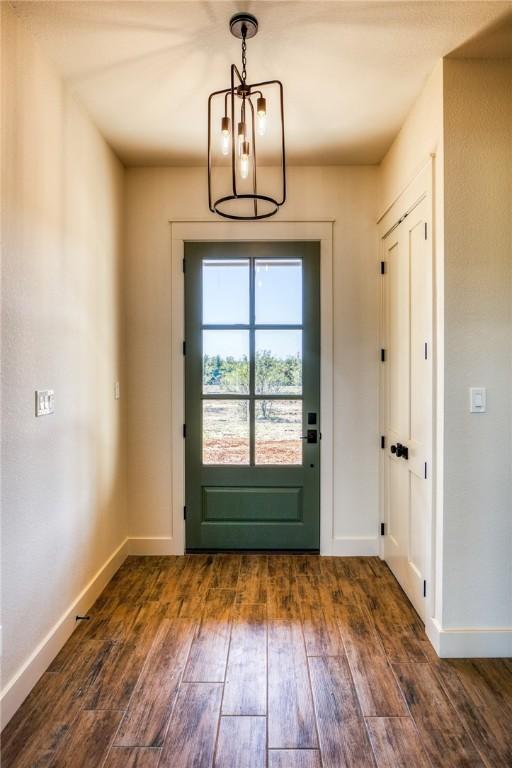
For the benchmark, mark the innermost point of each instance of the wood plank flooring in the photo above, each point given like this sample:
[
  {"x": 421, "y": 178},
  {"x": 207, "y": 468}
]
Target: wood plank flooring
[{"x": 256, "y": 661}]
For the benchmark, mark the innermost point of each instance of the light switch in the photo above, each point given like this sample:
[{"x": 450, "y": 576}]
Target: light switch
[
  {"x": 477, "y": 399},
  {"x": 45, "y": 402}
]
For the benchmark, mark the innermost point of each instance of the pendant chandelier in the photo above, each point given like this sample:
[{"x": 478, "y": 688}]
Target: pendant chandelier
[{"x": 235, "y": 115}]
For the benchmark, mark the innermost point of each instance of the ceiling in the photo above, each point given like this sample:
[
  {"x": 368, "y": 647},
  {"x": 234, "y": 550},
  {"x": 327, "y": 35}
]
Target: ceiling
[{"x": 351, "y": 70}]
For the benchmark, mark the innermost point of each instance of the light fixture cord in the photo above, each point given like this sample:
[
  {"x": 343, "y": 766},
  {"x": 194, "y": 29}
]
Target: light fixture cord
[{"x": 244, "y": 57}]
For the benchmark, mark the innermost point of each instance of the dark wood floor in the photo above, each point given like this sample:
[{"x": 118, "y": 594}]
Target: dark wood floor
[{"x": 252, "y": 661}]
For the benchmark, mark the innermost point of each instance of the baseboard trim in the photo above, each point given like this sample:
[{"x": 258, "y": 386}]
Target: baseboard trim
[
  {"x": 352, "y": 546},
  {"x": 18, "y": 688},
  {"x": 469, "y": 642},
  {"x": 152, "y": 545}
]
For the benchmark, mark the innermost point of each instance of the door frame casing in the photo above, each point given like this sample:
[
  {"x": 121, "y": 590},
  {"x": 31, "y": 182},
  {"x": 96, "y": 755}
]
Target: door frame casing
[
  {"x": 210, "y": 231},
  {"x": 222, "y": 511},
  {"x": 420, "y": 188}
]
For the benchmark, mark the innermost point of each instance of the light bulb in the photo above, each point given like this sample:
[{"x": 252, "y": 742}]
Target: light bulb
[
  {"x": 244, "y": 160},
  {"x": 261, "y": 108},
  {"x": 241, "y": 137},
  {"x": 225, "y": 136},
  {"x": 244, "y": 166}
]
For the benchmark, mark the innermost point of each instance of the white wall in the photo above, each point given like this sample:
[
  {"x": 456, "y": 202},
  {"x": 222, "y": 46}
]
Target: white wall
[
  {"x": 63, "y": 500},
  {"x": 156, "y": 196},
  {"x": 464, "y": 116},
  {"x": 478, "y": 343},
  {"x": 420, "y": 137}
]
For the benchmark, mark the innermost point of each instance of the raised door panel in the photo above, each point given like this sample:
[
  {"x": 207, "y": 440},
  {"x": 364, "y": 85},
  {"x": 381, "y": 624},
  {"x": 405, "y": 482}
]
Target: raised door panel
[{"x": 407, "y": 317}]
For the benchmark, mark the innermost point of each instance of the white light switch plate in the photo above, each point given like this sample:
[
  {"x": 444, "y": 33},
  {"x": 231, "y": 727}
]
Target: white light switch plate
[
  {"x": 45, "y": 402},
  {"x": 477, "y": 399}
]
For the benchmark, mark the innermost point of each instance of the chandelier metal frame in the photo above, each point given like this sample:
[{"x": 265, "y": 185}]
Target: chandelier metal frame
[{"x": 244, "y": 26}]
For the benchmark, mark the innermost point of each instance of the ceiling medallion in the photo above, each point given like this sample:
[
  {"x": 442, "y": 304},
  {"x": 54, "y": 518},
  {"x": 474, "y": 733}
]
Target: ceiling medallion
[{"x": 239, "y": 113}]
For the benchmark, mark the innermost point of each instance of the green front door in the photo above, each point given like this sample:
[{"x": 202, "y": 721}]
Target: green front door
[{"x": 252, "y": 393}]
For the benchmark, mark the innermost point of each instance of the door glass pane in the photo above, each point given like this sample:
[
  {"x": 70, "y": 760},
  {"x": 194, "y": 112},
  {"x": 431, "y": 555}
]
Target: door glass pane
[
  {"x": 225, "y": 432},
  {"x": 278, "y": 432},
  {"x": 225, "y": 291},
  {"x": 278, "y": 291},
  {"x": 278, "y": 364},
  {"x": 225, "y": 362}
]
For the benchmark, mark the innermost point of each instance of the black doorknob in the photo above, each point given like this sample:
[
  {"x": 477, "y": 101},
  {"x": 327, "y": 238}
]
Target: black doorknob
[{"x": 401, "y": 451}]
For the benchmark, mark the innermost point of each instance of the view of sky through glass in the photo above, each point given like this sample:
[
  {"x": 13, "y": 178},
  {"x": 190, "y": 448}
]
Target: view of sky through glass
[
  {"x": 225, "y": 292},
  {"x": 278, "y": 293},
  {"x": 278, "y": 290}
]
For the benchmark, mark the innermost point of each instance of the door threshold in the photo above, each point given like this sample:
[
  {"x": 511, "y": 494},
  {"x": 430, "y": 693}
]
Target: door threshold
[{"x": 191, "y": 551}]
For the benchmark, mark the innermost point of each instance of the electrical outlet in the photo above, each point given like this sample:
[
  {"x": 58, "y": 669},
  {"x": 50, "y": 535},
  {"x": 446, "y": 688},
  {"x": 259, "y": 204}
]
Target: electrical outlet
[{"x": 45, "y": 402}]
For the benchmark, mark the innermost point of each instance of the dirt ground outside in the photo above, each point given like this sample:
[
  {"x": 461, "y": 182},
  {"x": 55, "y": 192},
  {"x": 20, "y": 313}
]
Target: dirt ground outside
[{"x": 278, "y": 429}]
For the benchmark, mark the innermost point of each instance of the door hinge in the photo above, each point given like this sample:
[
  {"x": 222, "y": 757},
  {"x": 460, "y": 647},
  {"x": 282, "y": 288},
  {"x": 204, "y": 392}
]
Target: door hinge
[
  {"x": 184, "y": 430},
  {"x": 383, "y": 529},
  {"x": 425, "y": 470},
  {"x": 383, "y": 355},
  {"x": 184, "y": 513},
  {"x": 426, "y": 351},
  {"x": 424, "y": 588},
  {"x": 382, "y": 441},
  {"x": 184, "y": 265},
  {"x": 383, "y": 267},
  {"x": 184, "y": 347},
  {"x": 425, "y": 230}
]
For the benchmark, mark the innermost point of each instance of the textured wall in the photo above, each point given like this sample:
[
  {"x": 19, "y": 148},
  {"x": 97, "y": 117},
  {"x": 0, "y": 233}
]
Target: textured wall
[
  {"x": 421, "y": 136},
  {"x": 464, "y": 115},
  {"x": 63, "y": 494},
  {"x": 155, "y": 196},
  {"x": 478, "y": 343}
]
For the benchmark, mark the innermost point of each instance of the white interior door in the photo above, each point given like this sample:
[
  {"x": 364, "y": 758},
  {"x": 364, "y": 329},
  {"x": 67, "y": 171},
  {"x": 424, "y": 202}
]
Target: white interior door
[{"x": 407, "y": 321}]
